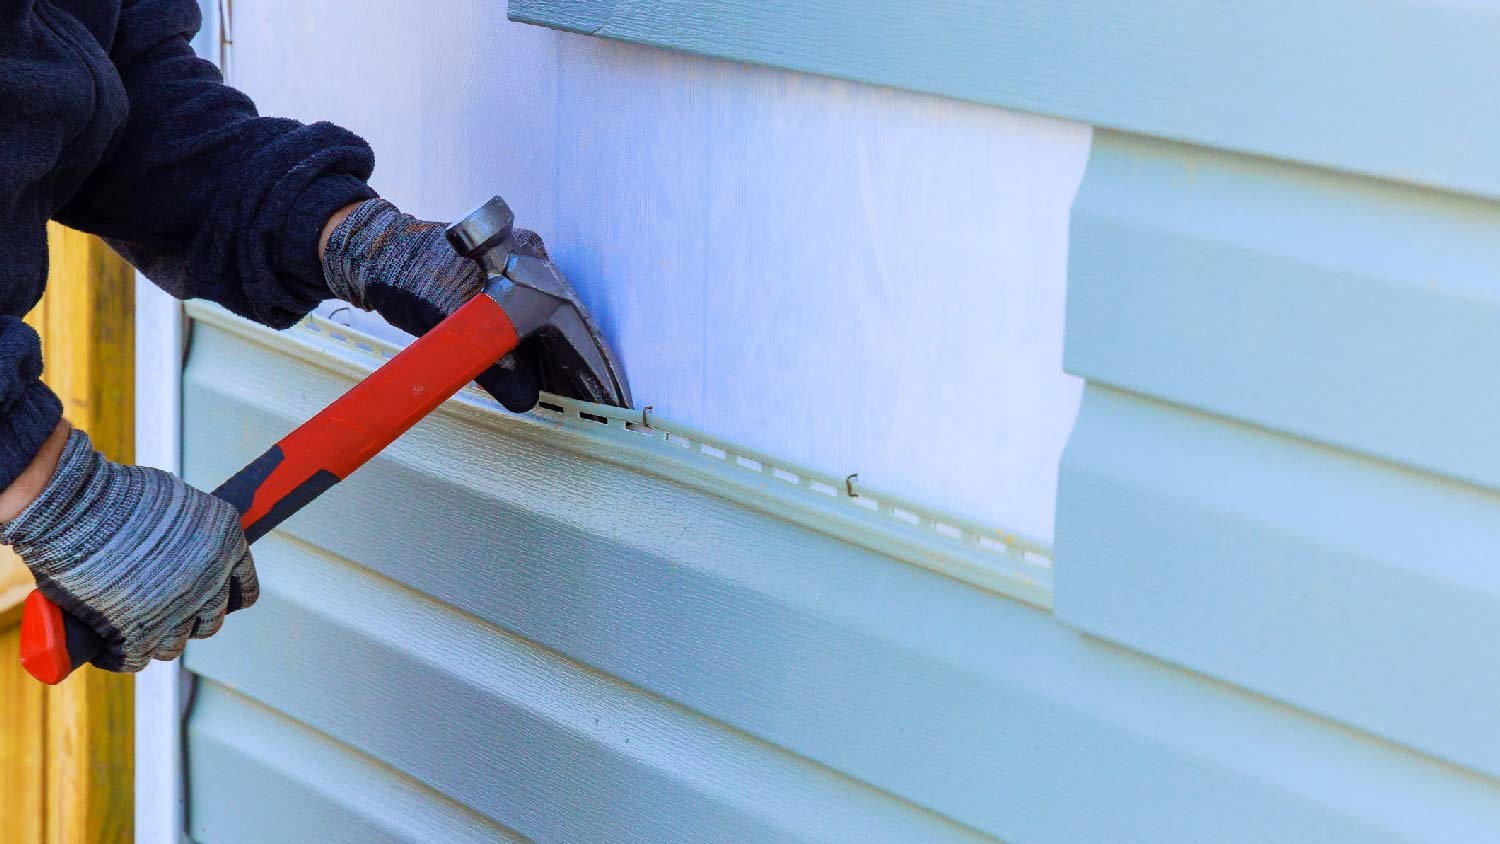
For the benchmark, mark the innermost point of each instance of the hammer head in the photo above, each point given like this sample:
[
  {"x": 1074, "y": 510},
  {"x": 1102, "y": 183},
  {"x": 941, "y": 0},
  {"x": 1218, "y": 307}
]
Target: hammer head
[{"x": 543, "y": 307}]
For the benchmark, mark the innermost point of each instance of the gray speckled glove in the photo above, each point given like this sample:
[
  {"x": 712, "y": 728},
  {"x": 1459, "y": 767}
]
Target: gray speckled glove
[
  {"x": 382, "y": 260},
  {"x": 136, "y": 553}
]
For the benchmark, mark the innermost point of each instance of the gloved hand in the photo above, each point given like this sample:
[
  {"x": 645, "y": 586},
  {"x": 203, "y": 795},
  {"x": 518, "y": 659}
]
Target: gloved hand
[
  {"x": 403, "y": 268},
  {"x": 140, "y": 556}
]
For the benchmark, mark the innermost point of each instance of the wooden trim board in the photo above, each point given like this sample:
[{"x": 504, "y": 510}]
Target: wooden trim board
[{"x": 66, "y": 753}]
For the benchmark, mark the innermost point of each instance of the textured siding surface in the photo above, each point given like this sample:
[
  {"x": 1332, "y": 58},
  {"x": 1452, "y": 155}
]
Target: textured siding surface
[
  {"x": 277, "y": 780},
  {"x": 1285, "y": 471},
  {"x": 1356, "y": 313},
  {"x": 1284, "y": 294},
  {"x": 1277, "y": 514},
  {"x": 516, "y": 628}
]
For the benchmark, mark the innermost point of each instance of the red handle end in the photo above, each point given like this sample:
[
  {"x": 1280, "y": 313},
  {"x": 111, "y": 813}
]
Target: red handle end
[
  {"x": 44, "y": 640},
  {"x": 323, "y": 451}
]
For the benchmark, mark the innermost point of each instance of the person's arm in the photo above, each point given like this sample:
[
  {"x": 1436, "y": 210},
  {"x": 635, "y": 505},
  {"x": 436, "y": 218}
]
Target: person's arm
[
  {"x": 28, "y": 410},
  {"x": 206, "y": 197},
  {"x": 211, "y": 200},
  {"x": 23, "y": 479},
  {"x": 34, "y": 478}
]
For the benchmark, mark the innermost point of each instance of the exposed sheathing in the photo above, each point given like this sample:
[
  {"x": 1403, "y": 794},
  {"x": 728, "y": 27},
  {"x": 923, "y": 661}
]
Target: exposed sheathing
[{"x": 861, "y": 279}]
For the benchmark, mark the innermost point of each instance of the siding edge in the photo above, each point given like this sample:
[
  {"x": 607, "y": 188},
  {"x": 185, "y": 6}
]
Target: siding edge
[{"x": 984, "y": 556}]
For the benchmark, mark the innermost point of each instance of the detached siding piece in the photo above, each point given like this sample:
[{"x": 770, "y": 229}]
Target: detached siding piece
[
  {"x": 587, "y": 651},
  {"x": 1400, "y": 89}
]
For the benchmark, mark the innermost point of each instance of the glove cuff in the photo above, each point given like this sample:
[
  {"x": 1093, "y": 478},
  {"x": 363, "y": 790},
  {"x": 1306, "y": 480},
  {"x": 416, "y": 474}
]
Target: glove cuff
[
  {"x": 348, "y": 245},
  {"x": 34, "y": 532},
  {"x": 379, "y": 258},
  {"x": 25, "y": 424},
  {"x": 53, "y": 506}
]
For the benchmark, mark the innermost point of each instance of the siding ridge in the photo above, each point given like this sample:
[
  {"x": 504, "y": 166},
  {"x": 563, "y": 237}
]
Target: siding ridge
[
  {"x": 515, "y": 648},
  {"x": 327, "y": 751},
  {"x": 979, "y": 554}
]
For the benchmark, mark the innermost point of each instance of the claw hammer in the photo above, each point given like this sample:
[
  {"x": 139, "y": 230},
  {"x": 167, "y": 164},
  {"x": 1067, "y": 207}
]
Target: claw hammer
[{"x": 524, "y": 297}]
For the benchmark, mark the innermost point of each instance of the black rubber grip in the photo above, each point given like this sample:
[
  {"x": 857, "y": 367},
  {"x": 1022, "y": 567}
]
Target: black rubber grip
[
  {"x": 83, "y": 643},
  {"x": 240, "y": 489},
  {"x": 291, "y": 503}
]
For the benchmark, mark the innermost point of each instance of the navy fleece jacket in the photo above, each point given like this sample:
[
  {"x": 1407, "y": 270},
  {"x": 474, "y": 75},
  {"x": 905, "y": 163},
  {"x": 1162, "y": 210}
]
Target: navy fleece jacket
[{"x": 110, "y": 124}]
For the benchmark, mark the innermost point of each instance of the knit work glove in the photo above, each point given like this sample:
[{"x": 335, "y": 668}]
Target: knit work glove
[
  {"x": 379, "y": 259},
  {"x": 135, "y": 553}
]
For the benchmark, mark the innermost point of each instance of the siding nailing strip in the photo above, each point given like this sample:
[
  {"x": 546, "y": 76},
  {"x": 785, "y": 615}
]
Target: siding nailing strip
[{"x": 983, "y": 555}]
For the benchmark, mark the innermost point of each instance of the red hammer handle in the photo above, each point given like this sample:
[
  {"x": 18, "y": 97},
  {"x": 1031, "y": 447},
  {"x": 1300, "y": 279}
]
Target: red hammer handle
[{"x": 305, "y": 463}]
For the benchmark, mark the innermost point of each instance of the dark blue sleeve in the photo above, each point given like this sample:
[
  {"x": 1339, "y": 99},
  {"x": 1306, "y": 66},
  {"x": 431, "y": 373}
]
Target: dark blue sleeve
[
  {"x": 204, "y": 196},
  {"x": 28, "y": 410}
]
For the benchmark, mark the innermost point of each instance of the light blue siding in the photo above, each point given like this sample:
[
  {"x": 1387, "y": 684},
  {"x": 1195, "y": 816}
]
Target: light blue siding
[
  {"x": 1275, "y": 595},
  {"x": 1338, "y": 583},
  {"x": 275, "y": 780},
  {"x": 1284, "y": 474},
  {"x": 1401, "y": 89},
  {"x": 527, "y": 738},
  {"x": 541, "y": 627},
  {"x": 1356, "y": 313}
]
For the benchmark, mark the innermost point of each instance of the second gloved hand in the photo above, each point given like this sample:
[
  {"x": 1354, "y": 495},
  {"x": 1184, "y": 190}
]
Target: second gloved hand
[
  {"x": 136, "y": 553},
  {"x": 402, "y": 268}
]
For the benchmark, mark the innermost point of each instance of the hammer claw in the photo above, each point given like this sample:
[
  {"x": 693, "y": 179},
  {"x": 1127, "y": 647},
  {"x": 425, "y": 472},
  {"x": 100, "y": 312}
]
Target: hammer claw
[{"x": 543, "y": 306}]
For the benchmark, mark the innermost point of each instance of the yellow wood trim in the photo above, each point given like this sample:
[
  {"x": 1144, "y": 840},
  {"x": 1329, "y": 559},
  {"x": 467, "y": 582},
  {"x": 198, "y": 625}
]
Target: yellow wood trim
[
  {"x": 68, "y": 759},
  {"x": 11, "y": 601},
  {"x": 91, "y": 760},
  {"x": 15, "y": 583},
  {"x": 22, "y": 717},
  {"x": 88, "y": 338},
  {"x": 22, "y": 742}
]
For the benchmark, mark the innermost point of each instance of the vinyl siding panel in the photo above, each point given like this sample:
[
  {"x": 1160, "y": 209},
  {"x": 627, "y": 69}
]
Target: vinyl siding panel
[
  {"x": 1276, "y": 515},
  {"x": 1338, "y": 583},
  {"x": 1398, "y": 89},
  {"x": 525, "y": 737},
  {"x": 276, "y": 780},
  {"x": 586, "y": 649},
  {"x": 1360, "y": 314},
  {"x": 1284, "y": 471}
]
